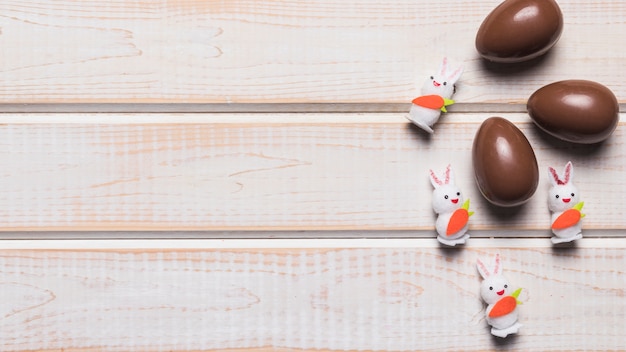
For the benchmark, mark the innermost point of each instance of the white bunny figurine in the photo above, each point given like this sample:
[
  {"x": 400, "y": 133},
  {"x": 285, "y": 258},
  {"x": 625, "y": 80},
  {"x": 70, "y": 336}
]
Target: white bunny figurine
[
  {"x": 495, "y": 290},
  {"x": 453, "y": 215},
  {"x": 565, "y": 206},
  {"x": 436, "y": 95}
]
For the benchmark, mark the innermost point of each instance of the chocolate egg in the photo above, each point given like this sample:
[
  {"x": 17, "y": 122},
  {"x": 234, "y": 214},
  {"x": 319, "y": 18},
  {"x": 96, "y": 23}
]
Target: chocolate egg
[
  {"x": 575, "y": 110},
  {"x": 519, "y": 30},
  {"x": 505, "y": 166}
]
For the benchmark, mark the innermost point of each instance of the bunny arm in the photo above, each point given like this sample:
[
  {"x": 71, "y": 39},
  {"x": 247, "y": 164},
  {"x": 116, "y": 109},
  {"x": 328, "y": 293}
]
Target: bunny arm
[
  {"x": 501, "y": 321},
  {"x": 568, "y": 218},
  {"x": 433, "y": 101},
  {"x": 459, "y": 219},
  {"x": 502, "y": 316},
  {"x": 567, "y": 225},
  {"x": 505, "y": 305}
]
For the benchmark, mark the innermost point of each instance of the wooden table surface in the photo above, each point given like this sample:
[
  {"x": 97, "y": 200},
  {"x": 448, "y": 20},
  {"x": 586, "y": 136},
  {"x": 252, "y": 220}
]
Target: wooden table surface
[{"x": 239, "y": 176}]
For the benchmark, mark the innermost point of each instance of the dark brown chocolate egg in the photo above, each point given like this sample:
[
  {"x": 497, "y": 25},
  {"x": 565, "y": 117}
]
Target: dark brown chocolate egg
[
  {"x": 505, "y": 165},
  {"x": 519, "y": 30},
  {"x": 575, "y": 110}
]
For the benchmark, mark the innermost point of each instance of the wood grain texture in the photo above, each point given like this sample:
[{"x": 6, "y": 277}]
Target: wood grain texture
[
  {"x": 275, "y": 172},
  {"x": 122, "y": 189},
  {"x": 356, "y": 51},
  {"x": 338, "y": 299}
]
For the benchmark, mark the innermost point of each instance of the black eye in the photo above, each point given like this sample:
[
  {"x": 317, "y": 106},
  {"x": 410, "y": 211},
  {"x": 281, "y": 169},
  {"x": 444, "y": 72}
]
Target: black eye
[
  {"x": 506, "y": 286},
  {"x": 490, "y": 288},
  {"x": 557, "y": 196},
  {"x": 458, "y": 193},
  {"x": 431, "y": 77},
  {"x": 572, "y": 194},
  {"x": 444, "y": 83},
  {"x": 446, "y": 196}
]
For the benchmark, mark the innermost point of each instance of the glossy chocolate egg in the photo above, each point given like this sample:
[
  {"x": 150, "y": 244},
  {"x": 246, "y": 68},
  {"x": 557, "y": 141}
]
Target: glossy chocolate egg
[
  {"x": 505, "y": 165},
  {"x": 519, "y": 30},
  {"x": 575, "y": 110}
]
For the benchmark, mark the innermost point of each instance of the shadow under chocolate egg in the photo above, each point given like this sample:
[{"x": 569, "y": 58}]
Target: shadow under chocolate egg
[
  {"x": 566, "y": 150},
  {"x": 508, "y": 71}
]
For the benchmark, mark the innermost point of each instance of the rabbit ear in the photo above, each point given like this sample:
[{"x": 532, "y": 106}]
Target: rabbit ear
[
  {"x": 449, "y": 175},
  {"x": 568, "y": 172},
  {"x": 444, "y": 66},
  {"x": 482, "y": 268},
  {"x": 434, "y": 180},
  {"x": 554, "y": 177},
  {"x": 497, "y": 268},
  {"x": 454, "y": 76}
]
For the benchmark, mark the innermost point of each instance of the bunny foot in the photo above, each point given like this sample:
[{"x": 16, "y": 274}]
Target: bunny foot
[
  {"x": 513, "y": 329},
  {"x": 557, "y": 240},
  {"x": 421, "y": 125},
  {"x": 454, "y": 242}
]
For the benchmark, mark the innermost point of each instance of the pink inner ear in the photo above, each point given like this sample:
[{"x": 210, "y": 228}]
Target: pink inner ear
[
  {"x": 455, "y": 72},
  {"x": 482, "y": 267},
  {"x": 447, "y": 181},
  {"x": 497, "y": 266},
  {"x": 444, "y": 66},
  {"x": 555, "y": 176},
  {"x": 568, "y": 172},
  {"x": 435, "y": 178}
]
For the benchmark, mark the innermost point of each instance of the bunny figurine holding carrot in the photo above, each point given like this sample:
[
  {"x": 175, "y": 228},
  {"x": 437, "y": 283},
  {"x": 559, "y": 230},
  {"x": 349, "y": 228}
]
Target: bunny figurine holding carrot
[
  {"x": 502, "y": 302},
  {"x": 436, "y": 95},
  {"x": 565, "y": 206},
  {"x": 452, "y": 211}
]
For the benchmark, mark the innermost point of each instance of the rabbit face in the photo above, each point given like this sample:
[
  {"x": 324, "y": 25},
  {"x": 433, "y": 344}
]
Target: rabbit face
[
  {"x": 442, "y": 83},
  {"x": 563, "y": 194},
  {"x": 439, "y": 85},
  {"x": 447, "y": 198},
  {"x": 563, "y": 197},
  {"x": 494, "y": 288}
]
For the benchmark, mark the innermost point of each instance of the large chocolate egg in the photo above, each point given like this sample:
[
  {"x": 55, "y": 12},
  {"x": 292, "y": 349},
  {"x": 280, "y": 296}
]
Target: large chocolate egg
[
  {"x": 575, "y": 110},
  {"x": 519, "y": 30},
  {"x": 504, "y": 162}
]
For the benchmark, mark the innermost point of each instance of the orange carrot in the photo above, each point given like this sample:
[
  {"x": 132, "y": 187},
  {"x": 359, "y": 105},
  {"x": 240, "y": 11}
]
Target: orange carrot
[
  {"x": 429, "y": 101},
  {"x": 458, "y": 219},
  {"x": 569, "y": 218},
  {"x": 503, "y": 307}
]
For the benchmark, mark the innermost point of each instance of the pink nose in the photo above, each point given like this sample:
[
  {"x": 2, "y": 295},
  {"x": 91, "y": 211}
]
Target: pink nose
[
  {"x": 454, "y": 200},
  {"x": 566, "y": 200},
  {"x": 436, "y": 84},
  {"x": 500, "y": 293}
]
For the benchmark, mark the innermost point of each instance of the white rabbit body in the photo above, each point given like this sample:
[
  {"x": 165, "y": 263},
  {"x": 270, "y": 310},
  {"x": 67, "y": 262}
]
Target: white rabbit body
[
  {"x": 452, "y": 212},
  {"x": 564, "y": 203},
  {"x": 436, "y": 95},
  {"x": 495, "y": 290}
]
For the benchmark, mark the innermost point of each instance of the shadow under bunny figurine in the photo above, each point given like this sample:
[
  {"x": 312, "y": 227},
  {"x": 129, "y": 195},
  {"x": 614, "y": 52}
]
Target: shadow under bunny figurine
[
  {"x": 436, "y": 95},
  {"x": 564, "y": 203},
  {"x": 495, "y": 290},
  {"x": 452, "y": 212}
]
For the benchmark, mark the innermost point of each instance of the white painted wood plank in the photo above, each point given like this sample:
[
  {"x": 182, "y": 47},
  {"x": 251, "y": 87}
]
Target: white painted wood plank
[
  {"x": 273, "y": 172},
  {"x": 356, "y": 51},
  {"x": 310, "y": 298}
]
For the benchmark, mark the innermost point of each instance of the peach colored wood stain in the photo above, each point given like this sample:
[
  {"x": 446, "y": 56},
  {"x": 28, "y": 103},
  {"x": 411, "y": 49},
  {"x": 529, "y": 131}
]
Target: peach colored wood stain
[{"x": 239, "y": 176}]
